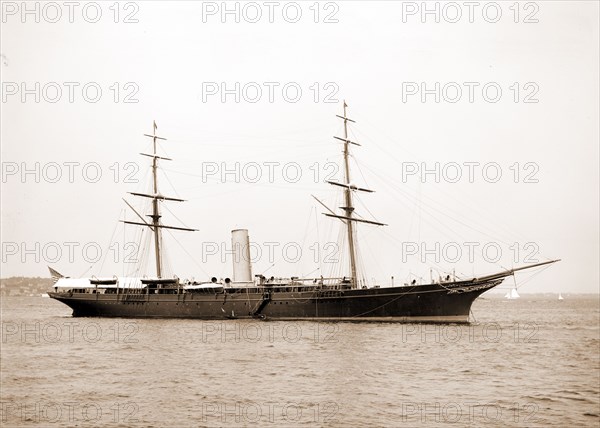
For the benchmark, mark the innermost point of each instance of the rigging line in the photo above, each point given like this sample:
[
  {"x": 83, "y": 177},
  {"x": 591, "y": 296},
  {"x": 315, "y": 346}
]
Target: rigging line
[
  {"x": 240, "y": 189},
  {"x": 471, "y": 208},
  {"x": 143, "y": 181},
  {"x": 447, "y": 215},
  {"x": 374, "y": 258},
  {"x": 200, "y": 134},
  {"x": 124, "y": 239},
  {"x": 395, "y": 239},
  {"x": 176, "y": 171},
  {"x": 177, "y": 218},
  {"x": 160, "y": 151},
  {"x": 318, "y": 239},
  {"x": 160, "y": 147},
  {"x": 343, "y": 268},
  {"x": 164, "y": 174},
  {"x": 110, "y": 240},
  {"x": 131, "y": 269},
  {"x": 413, "y": 276},
  {"x": 356, "y": 163},
  {"x": 533, "y": 275},
  {"x": 287, "y": 186},
  {"x": 374, "y": 142},
  {"x": 420, "y": 211},
  {"x": 146, "y": 238},
  {"x": 219, "y": 179},
  {"x": 361, "y": 273},
  {"x": 332, "y": 269},
  {"x": 416, "y": 213},
  {"x": 387, "y": 152},
  {"x": 306, "y": 231},
  {"x": 395, "y": 242},
  {"x": 142, "y": 253},
  {"x": 272, "y": 138},
  {"x": 237, "y": 188},
  {"x": 187, "y": 252},
  {"x": 362, "y": 204},
  {"x": 220, "y": 137},
  {"x": 86, "y": 271},
  {"x": 165, "y": 258}
]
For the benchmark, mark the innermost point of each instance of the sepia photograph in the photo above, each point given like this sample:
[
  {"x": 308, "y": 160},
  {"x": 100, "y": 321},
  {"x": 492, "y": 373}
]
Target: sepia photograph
[{"x": 300, "y": 213}]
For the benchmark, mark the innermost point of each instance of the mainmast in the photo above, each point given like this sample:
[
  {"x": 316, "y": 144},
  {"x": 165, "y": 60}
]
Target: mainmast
[
  {"x": 349, "y": 217},
  {"x": 349, "y": 208},
  {"x": 155, "y": 213},
  {"x": 155, "y": 226}
]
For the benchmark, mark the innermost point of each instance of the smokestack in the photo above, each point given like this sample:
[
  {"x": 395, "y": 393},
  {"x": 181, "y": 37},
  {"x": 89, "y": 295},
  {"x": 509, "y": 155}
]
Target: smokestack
[{"x": 242, "y": 269}]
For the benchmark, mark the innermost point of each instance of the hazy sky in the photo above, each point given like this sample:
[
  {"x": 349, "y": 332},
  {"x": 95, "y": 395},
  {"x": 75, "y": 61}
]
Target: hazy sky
[{"x": 504, "y": 107}]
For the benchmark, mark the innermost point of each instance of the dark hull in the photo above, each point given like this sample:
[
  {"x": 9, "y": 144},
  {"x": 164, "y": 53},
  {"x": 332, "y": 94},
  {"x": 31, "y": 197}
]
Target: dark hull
[{"x": 420, "y": 303}]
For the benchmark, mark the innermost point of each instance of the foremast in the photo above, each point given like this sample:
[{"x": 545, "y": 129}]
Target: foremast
[
  {"x": 349, "y": 218},
  {"x": 155, "y": 226}
]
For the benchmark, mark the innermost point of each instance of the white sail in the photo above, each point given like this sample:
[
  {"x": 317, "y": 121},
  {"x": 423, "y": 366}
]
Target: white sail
[
  {"x": 513, "y": 294},
  {"x": 560, "y": 297}
]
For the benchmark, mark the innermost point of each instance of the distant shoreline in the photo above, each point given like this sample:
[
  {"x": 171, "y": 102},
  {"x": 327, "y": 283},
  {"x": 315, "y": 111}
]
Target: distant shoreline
[{"x": 24, "y": 286}]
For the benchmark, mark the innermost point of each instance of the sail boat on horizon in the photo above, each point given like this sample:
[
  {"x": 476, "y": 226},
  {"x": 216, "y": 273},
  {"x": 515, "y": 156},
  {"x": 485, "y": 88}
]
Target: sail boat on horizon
[
  {"x": 512, "y": 294},
  {"x": 246, "y": 296}
]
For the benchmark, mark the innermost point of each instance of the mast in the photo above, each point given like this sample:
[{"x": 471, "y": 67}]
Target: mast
[
  {"x": 349, "y": 209},
  {"x": 348, "y": 216},
  {"x": 155, "y": 212},
  {"x": 155, "y": 225}
]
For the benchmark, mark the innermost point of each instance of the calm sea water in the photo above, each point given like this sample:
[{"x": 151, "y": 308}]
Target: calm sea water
[{"x": 529, "y": 362}]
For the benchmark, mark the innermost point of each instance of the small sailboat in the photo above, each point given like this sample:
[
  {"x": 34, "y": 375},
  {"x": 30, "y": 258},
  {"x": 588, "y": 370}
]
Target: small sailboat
[
  {"x": 512, "y": 294},
  {"x": 560, "y": 297}
]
